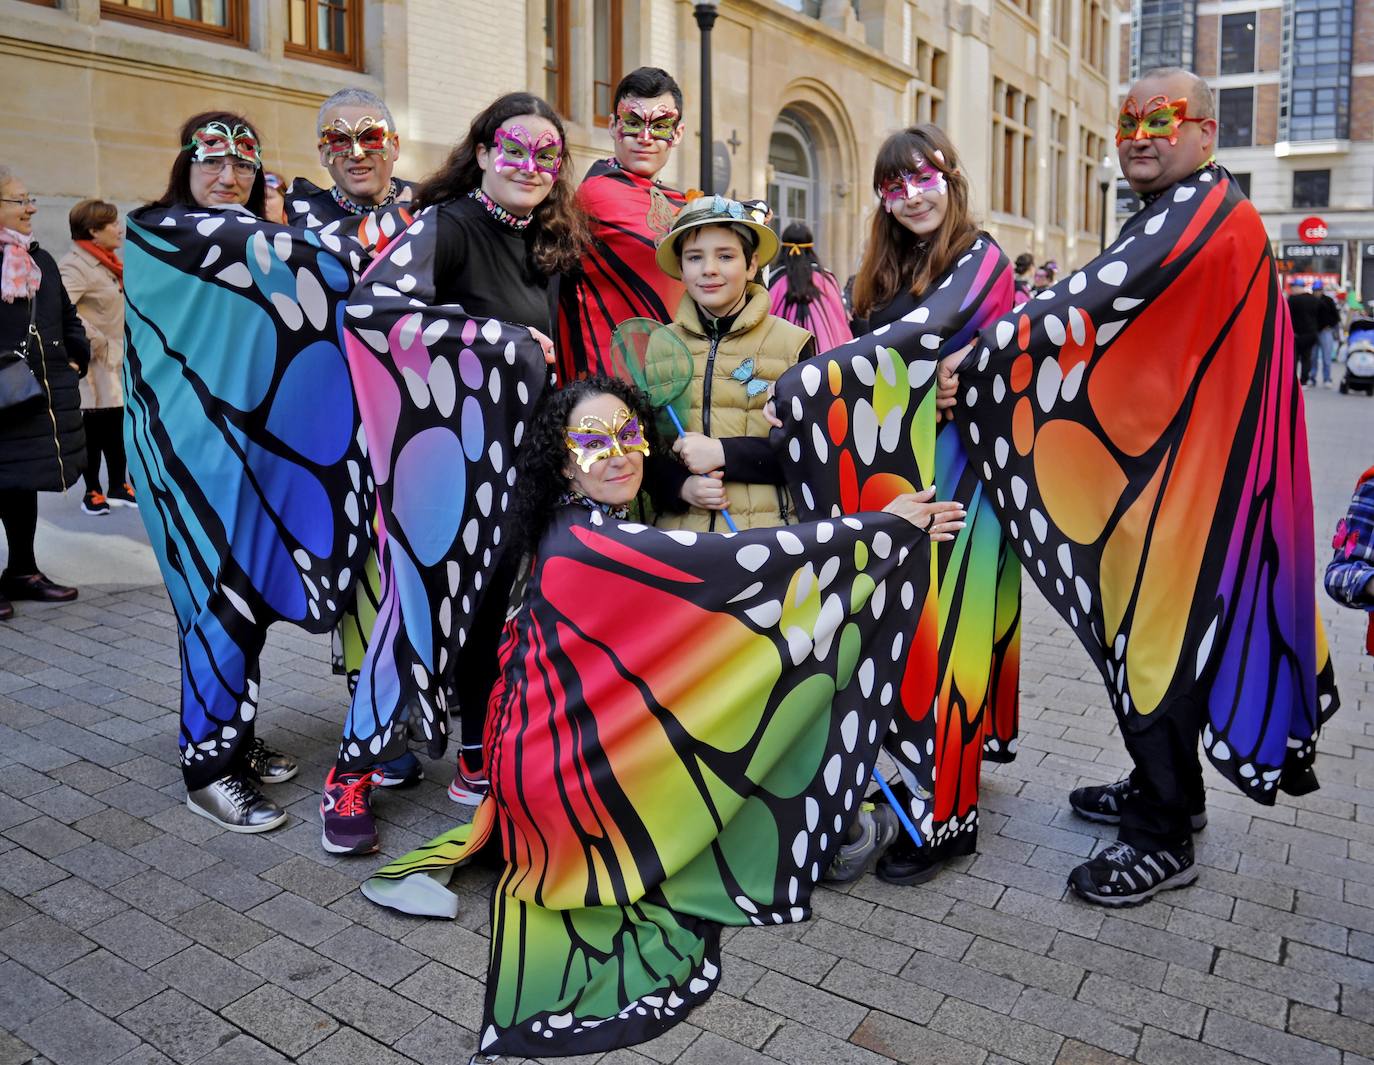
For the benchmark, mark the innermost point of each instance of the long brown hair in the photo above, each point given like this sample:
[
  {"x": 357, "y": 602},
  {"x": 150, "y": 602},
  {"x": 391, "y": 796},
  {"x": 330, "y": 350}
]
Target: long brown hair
[
  {"x": 178, "y": 191},
  {"x": 895, "y": 258},
  {"x": 561, "y": 233}
]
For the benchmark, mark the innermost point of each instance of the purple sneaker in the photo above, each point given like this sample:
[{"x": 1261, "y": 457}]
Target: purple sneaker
[{"x": 346, "y": 810}]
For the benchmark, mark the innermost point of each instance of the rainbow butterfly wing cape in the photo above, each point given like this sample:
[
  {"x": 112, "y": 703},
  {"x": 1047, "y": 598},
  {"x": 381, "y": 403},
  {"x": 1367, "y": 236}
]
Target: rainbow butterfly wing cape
[
  {"x": 1142, "y": 429},
  {"x": 444, "y": 398},
  {"x": 865, "y": 431},
  {"x": 619, "y": 278},
  {"x": 243, "y": 440},
  {"x": 685, "y": 725}
]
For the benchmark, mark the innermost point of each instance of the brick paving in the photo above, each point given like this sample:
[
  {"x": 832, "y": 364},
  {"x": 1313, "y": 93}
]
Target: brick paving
[{"x": 132, "y": 932}]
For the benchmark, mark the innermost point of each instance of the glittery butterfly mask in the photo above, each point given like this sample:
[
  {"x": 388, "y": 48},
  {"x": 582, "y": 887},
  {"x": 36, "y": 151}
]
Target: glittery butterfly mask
[
  {"x": 367, "y": 136},
  {"x": 215, "y": 140},
  {"x": 515, "y": 150},
  {"x": 1160, "y": 117},
  {"x": 594, "y": 439},
  {"x": 632, "y": 124},
  {"x": 924, "y": 179}
]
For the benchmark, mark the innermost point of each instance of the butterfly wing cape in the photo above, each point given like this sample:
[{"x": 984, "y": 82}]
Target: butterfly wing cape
[
  {"x": 242, "y": 437},
  {"x": 444, "y": 398},
  {"x": 619, "y": 278},
  {"x": 685, "y": 725},
  {"x": 865, "y": 431},
  {"x": 1142, "y": 428},
  {"x": 824, "y": 316}
]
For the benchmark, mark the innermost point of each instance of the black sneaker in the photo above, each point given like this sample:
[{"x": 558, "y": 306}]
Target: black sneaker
[
  {"x": 1123, "y": 876},
  {"x": 1103, "y": 803}
]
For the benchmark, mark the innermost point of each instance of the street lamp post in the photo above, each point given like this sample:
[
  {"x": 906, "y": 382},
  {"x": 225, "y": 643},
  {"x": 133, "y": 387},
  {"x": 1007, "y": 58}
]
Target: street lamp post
[
  {"x": 705, "y": 13},
  {"x": 1105, "y": 172}
]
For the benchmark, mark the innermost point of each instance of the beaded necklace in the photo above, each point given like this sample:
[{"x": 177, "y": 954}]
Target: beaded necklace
[
  {"x": 500, "y": 213},
  {"x": 359, "y": 208}
]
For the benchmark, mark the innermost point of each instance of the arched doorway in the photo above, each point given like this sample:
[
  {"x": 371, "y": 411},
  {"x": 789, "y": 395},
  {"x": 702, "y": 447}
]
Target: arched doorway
[{"x": 794, "y": 176}]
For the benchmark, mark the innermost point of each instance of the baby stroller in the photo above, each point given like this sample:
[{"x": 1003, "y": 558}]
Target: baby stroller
[{"x": 1359, "y": 358}]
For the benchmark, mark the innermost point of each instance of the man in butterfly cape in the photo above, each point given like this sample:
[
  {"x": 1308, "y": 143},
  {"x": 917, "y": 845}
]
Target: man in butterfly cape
[
  {"x": 1142, "y": 430},
  {"x": 630, "y": 211},
  {"x": 682, "y": 735},
  {"x": 242, "y": 436}
]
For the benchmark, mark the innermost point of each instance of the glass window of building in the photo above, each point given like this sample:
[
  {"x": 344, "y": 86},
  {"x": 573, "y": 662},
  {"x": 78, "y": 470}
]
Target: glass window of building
[
  {"x": 323, "y": 30},
  {"x": 1238, "y": 43},
  {"x": 793, "y": 185},
  {"x": 1013, "y": 177},
  {"x": 1163, "y": 34},
  {"x": 1236, "y": 117},
  {"x": 557, "y": 59},
  {"x": 1314, "y": 101},
  {"x": 1311, "y": 188},
  {"x": 1243, "y": 180},
  {"x": 608, "y": 22},
  {"x": 203, "y": 18}
]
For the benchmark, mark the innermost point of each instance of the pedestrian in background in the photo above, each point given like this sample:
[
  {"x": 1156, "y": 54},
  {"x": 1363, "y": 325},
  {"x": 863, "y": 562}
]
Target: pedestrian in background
[
  {"x": 1305, "y": 313},
  {"x": 805, "y": 293},
  {"x": 93, "y": 275},
  {"x": 1021, "y": 269},
  {"x": 1328, "y": 335},
  {"x": 41, "y": 443}
]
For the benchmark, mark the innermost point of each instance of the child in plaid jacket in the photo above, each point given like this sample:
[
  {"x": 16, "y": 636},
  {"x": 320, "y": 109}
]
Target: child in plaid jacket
[{"x": 1350, "y": 574}]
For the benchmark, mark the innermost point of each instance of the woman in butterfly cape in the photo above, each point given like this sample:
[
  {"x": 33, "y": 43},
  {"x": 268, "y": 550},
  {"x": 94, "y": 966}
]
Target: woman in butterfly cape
[
  {"x": 243, "y": 440},
  {"x": 1142, "y": 429},
  {"x": 859, "y": 436},
  {"x": 683, "y": 731}
]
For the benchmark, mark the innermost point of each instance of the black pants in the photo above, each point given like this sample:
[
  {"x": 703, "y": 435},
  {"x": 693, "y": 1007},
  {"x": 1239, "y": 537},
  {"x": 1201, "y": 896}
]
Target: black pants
[
  {"x": 1168, "y": 776},
  {"x": 477, "y": 665},
  {"x": 19, "y": 515},
  {"x": 1303, "y": 345},
  {"x": 104, "y": 438}
]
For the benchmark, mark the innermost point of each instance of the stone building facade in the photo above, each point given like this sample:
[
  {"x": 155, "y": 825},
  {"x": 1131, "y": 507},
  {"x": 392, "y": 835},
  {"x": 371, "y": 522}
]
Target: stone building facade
[
  {"x": 1294, "y": 82},
  {"x": 804, "y": 91}
]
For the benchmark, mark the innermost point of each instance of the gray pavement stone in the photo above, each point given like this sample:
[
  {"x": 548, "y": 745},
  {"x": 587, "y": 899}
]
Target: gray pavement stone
[
  {"x": 76, "y": 904},
  {"x": 1331, "y": 1029},
  {"x": 878, "y": 989},
  {"x": 1014, "y": 1039},
  {"x": 1024, "y": 967},
  {"x": 13, "y": 1051},
  {"x": 436, "y": 1041},
  {"x": 312, "y": 881},
  {"x": 1265, "y": 1044},
  {"x": 180, "y": 1028},
  {"x": 158, "y": 894},
  {"x": 106, "y": 982},
  {"x": 371, "y": 1008},
  {"x": 348, "y": 1046},
  {"x": 1078, "y": 1020},
  {"x": 12, "y": 909},
  {"x": 243, "y": 1050},
  {"x": 202, "y": 975},
  {"x": 298, "y": 918},
  {"x": 116, "y": 828},
  {"x": 300, "y": 970},
  {"x": 138, "y": 938},
  {"x": 221, "y": 929},
  {"x": 732, "y": 1018},
  {"x": 66, "y": 804},
  {"x": 800, "y": 1044},
  {"x": 802, "y": 1002},
  {"x": 914, "y": 1044},
  {"x": 281, "y": 1020},
  {"x": 963, "y": 982},
  {"x": 43, "y": 944},
  {"x": 373, "y": 955},
  {"x": 25, "y": 995},
  {"x": 74, "y": 1034},
  {"x": 99, "y": 863},
  {"x": 447, "y": 992},
  {"x": 23, "y": 872},
  {"x": 1214, "y": 992}
]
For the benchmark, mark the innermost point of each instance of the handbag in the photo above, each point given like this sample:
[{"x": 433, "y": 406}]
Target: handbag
[{"x": 18, "y": 385}]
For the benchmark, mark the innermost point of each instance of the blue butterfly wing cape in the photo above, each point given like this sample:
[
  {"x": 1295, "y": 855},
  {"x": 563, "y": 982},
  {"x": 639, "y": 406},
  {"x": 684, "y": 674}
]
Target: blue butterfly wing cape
[
  {"x": 445, "y": 398},
  {"x": 242, "y": 431}
]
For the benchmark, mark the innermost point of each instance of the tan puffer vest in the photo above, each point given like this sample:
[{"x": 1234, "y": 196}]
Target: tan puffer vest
[{"x": 722, "y": 407}]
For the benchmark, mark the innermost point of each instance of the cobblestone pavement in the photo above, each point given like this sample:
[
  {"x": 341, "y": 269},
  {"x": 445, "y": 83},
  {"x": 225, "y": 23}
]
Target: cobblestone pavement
[{"x": 134, "y": 932}]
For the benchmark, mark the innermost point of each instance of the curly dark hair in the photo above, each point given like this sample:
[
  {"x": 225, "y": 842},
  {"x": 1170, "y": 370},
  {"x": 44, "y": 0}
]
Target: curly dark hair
[
  {"x": 543, "y": 460},
  {"x": 560, "y": 227},
  {"x": 178, "y": 191}
]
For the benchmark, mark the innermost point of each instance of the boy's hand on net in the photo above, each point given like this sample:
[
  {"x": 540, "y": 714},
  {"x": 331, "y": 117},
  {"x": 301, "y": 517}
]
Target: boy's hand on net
[{"x": 707, "y": 493}]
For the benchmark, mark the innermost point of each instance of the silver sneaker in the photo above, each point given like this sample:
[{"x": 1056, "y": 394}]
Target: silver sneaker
[
  {"x": 878, "y": 827},
  {"x": 269, "y": 766},
  {"x": 232, "y": 802}
]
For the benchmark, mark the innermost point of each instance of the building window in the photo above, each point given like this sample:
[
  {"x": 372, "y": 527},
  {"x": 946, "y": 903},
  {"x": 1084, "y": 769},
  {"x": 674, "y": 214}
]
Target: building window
[
  {"x": 557, "y": 56},
  {"x": 793, "y": 179},
  {"x": 931, "y": 67},
  {"x": 1013, "y": 176},
  {"x": 225, "y": 19},
  {"x": 810, "y": 8},
  {"x": 1163, "y": 34},
  {"x": 324, "y": 30},
  {"x": 1238, "y": 43},
  {"x": 1243, "y": 180},
  {"x": 1096, "y": 27},
  {"x": 1026, "y": 7},
  {"x": 1063, "y": 20},
  {"x": 1059, "y": 169},
  {"x": 1092, "y": 151},
  {"x": 608, "y": 22},
  {"x": 1311, "y": 188},
  {"x": 1236, "y": 117},
  {"x": 1314, "y": 101}
]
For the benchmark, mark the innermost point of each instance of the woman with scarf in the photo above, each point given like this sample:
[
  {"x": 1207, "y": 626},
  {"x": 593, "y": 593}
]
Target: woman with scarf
[
  {"x": 41, "y": 443},
  {"x": 93, "y": 275},
  {"x": 804, "y": 292}
]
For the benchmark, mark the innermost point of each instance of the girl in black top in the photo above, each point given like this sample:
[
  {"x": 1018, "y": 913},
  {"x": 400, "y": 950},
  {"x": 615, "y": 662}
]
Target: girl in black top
[{"x": 508, "y": 225}]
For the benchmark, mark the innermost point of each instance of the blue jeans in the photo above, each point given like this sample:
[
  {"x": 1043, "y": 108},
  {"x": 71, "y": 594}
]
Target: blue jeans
[{"x": 1326, "y": 351}]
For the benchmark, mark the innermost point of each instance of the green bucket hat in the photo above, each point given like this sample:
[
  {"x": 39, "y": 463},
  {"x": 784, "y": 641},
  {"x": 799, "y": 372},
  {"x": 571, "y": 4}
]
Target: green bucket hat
[{"x": 716, "y": 211}]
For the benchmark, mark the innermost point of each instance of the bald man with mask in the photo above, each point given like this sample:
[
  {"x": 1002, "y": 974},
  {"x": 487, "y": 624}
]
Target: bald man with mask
[{"x": 1141, "y": 429}]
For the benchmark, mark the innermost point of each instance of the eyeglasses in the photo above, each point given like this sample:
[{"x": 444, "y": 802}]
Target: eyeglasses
[
  {"x": 215, "y": 165},
  {"x": 26, "y": 201}
]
